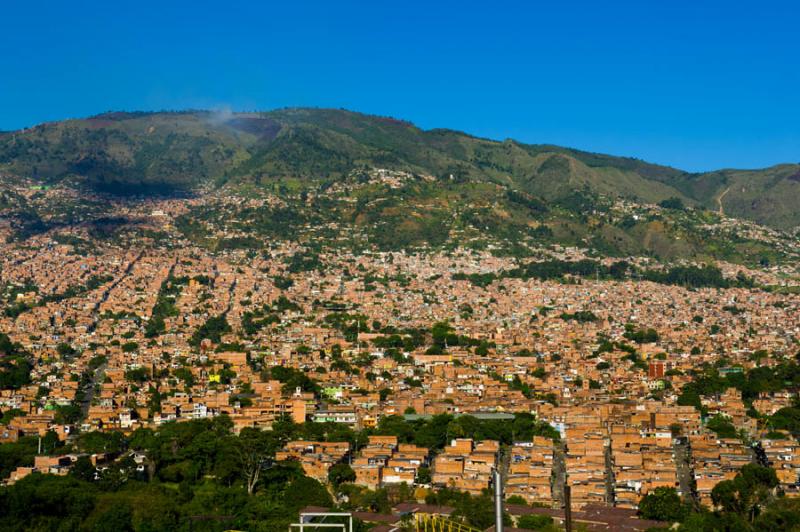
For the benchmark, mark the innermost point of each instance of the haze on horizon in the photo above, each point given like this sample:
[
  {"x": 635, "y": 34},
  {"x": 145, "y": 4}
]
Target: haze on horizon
[{"x": 694, "y": 87}]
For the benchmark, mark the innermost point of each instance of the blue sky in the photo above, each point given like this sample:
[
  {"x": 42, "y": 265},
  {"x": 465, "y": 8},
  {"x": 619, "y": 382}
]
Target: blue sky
[{"x": 696, "y": 84}]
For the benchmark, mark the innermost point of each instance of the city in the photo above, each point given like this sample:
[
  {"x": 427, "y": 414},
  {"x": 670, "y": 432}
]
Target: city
[
  {"x": 399, "y": 266},
  {"x": 617, "y": 387}
]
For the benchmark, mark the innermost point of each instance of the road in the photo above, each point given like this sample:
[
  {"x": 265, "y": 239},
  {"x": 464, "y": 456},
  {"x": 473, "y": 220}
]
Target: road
[
  {"x": 107, "y": 292},
  {"x": 88, "y": 391},
  {"x": 683, "y": 462},
  {"x": 559, "y": 478},
  {"x": 719, "y": 201}
]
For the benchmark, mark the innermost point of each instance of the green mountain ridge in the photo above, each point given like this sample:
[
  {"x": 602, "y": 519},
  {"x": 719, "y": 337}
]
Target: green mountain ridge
[{"x": 165, "y": 151}]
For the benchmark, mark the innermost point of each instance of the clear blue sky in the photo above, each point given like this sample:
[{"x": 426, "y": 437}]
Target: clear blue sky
[{"x": 698, "y": 84}]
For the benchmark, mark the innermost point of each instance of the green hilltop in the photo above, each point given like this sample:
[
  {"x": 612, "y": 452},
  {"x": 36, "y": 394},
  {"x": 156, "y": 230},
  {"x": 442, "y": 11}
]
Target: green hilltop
[
  {"x": 457, "y": 184},
  {"x": 125, "y": 152}
]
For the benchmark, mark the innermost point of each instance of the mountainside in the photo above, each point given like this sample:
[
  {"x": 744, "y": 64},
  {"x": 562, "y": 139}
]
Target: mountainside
[
  {"x": 140, "y": 152},
  {"x": 126, "y": 151},
  {"x": 398, "y": 184},
  {"x": 770, "y": 196}
]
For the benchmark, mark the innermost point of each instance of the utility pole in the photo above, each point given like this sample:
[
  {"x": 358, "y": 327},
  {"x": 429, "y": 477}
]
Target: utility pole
[
  {"x": 568, "y": 508},
  {"x": 498, "y": 501},
  {"x": 358, "y": 333}
]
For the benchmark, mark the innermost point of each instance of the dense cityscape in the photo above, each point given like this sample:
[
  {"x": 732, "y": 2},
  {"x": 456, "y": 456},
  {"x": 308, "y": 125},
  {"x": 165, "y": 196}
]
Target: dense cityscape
[
  {"x": 408, "y": 266},
  {"x": 396, "y": 381}
]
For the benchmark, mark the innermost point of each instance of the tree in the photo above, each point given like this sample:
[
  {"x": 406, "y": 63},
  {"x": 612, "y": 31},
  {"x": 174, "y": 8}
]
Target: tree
[
  {"x": 748, "y": 492},
  {"x": 641, "y": 336},
  {"x": 185, "y": 374},
  {"x": 581, "y": 316},
  {"x": 118, "y": 518},
  {"x": 722, "y": 426},
  {"x": 253, "y": 448},
  {"x": 136, "y": 375},
  {"x": 479, "y": 512},
  {"x": 15, "y": 370},
  {"x": 7, "y": 347},
  {"x": 65, "y": 350},
  {"x": 787, "y": 418},
  {"x": 340, "y": 473},
  {"x": 14, "y": 454},
  {"x": 50, "y": 442},
  {"x": 10, "y": 414},
  {"x": 305, "y": 491},
  {"x": 715, "y": 522},
  {"x": 663, "y": 504},
  {"x": 46, "y": 502},
  {"x": 672, "y": 203},
  {"x": 83, "y": 469},
  {"x": 423, "y": 475},
  {"x": 534, "y": 522},
  {"x": 68, "y": 414},
  {"x": 690, "y": 397},
  {"x": 783, "y": 515},
  {"x": 292, "y": 379},
  {"x": 101, "y": 442},
  {"x": 129, "y": 347},
  {"x": 213, "y": 329}
]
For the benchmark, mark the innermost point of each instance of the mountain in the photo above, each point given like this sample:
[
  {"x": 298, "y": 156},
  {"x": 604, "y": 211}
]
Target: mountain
[
  {"x": 770, "y": 196},
  {"x": 403, "y": 184},
  {"x": 119, "y": 151},
  {"x": 136, "y": 152}
]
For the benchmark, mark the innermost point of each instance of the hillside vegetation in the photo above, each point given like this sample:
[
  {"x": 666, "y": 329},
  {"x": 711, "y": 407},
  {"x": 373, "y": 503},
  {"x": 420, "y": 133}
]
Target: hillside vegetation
[
  {"x": 135, "y": 152},
  {"x": 441, "y": 183}
]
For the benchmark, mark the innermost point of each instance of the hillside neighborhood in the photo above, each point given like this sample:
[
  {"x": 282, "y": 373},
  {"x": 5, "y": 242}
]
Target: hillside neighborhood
[{"x": 626, "y": 385}]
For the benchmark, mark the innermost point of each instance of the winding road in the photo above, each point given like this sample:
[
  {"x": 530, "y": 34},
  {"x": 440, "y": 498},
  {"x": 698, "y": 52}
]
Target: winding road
[{"x": 719, "y": 201}]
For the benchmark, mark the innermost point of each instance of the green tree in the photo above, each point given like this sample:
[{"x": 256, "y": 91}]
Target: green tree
[
  {"x": 253, "y": 448},
  {"x": 784, "y": 514},
  {"x": 118, "y": 518},
  {"x": 748, "y": 492},
  {"x": 136, "y": 375},
  {"x": 213, "y": 329},
  {"x": 663, "y": 504},
  {"x": 46, "y": 502},
  {"x": 535, "y": 522},
  {"x": 185, "y": 374},
  {"x": 672, "y": 203},
  {"x": 101, "y": 442},
  {"x": 423, "y": 475},
  {"x": 68, "y": 414},
  {"x": 130, "y": 347},
  {"x": 340, "y": 473},
  {"x": 65, "y": 350},
  {"x": 722, "y": 427},
  {"x": 83, "y": 469}
]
